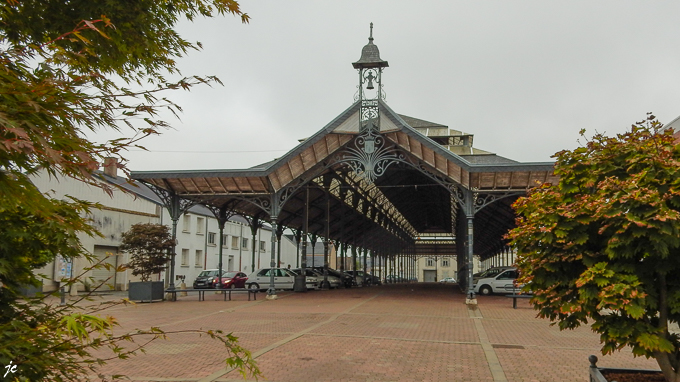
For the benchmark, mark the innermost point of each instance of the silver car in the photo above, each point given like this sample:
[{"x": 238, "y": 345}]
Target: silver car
[{"x": 312, "y": 278}]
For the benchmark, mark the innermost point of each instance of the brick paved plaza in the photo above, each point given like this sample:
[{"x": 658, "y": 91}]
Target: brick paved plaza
[{"x": 418, "y": 332}]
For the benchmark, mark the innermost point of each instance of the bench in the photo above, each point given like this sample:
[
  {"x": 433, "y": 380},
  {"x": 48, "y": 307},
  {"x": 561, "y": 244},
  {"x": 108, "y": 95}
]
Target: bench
[
  {"x": 225, "y": 292},
  {"x": 514, "y": 298}
]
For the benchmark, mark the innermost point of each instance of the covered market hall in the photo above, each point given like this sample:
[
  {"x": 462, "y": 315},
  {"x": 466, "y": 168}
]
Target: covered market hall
[{"x": 371, "y": 182}]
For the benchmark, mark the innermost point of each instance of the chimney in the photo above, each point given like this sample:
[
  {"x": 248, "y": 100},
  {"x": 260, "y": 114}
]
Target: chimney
[{"x": 111, "y": 166}]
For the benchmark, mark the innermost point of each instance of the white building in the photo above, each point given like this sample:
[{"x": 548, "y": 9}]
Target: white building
[{"x": 197, "y": 234}]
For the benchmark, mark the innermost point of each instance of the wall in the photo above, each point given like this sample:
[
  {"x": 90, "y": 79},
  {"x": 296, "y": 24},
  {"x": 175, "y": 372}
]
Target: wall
[
  {"x": 120, "y": 211},
  {"x": 117, "y": 214}
]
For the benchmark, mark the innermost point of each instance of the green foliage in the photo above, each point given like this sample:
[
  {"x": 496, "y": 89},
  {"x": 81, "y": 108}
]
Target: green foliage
[
  {"x": 603, "y": 245},
  {"x": 66, "y": 69},
  {"x": 149, "y": 245}
]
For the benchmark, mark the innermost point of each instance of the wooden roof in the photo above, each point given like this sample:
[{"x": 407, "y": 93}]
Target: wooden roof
[{"x": 400, "y": 204}]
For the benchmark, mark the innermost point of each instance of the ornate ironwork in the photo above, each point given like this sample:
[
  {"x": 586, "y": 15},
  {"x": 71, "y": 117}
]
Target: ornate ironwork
[
  {"x": 483, "y": 200},
  {"x": 169, "y": 198},
  {"x": 222, "y": 214},
  {"x": 369, "y": 156},
  {"x": 263, "y": 202}
]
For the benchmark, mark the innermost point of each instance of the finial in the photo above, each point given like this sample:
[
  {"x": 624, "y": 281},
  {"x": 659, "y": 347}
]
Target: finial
[{"x": 370, "y": 38}]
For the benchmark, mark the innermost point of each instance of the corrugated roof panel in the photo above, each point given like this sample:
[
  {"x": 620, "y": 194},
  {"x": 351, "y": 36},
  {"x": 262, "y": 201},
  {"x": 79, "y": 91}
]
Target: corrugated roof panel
[
  {"x": 387, "y": 125},
  {"x": 350, "y": 125}
]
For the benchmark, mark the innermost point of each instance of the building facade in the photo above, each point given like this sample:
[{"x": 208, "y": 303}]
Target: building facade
[{"x": 197, "y": 236}]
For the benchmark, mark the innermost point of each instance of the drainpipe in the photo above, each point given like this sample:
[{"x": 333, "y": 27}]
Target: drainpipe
[
  {"x": 240, "y": 249},
  {"x": 205, "y": 245}
]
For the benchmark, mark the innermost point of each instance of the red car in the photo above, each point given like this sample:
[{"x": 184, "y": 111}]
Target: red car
[{"x": 231, "y": 280}]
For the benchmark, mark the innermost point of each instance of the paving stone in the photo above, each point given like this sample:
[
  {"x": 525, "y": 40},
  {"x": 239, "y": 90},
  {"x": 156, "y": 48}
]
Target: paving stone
[{"x": 418, "y": 332}]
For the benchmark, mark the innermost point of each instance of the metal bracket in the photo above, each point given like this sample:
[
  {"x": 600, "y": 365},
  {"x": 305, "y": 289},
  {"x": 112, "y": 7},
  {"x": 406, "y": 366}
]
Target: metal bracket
[{"x": 175, "y": 204}]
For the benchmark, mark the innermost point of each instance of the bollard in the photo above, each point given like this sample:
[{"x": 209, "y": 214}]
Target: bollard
[{"x": 62, "y": 293}]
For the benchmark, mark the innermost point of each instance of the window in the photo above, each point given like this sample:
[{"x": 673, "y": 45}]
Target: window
[
  {"x": 211, "y": 238},
  {"x": 234, "y": 241},
  {"x": 185, "y": 257},
  {"x": 430, "y": 263},
  {"x": 446, "y": 262},
  {"x": 263, "y": 246},
  {"x": 225, "y": 243},
  {"x": 244, "y": 243},
  {"x": 186, "y": 223},
  {"x": 198, "y": 261},
  {"x": 200, "y": 226},
  {"x": 509, "y": 275}
]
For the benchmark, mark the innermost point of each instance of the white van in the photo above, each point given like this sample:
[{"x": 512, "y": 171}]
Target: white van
[{"x": 502, "y": 282}]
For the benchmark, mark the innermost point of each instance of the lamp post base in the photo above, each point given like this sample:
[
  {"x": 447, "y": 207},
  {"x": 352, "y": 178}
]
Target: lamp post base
[{"x": 300, "y": 284}]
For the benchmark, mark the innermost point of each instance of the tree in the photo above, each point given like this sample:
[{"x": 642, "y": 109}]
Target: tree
[
  {"x": 148, "y": 245},
  {"x": 68, "y": 67},
  {"x": 602, "y": 246}
]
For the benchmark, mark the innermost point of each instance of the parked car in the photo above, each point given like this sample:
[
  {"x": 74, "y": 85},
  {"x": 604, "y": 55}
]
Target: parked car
[
  {"x": 206, "y": 279},
  {"x": 333, "y": 280},
  {"x": 356, "y": 280},
  {"x": 261, "y": 278},
  {"x": 347, "y": 280},
  {"x": 312, "y": 278},
  {"x": 503, "y": 282},
  {"x": 448, "y": 280},
  {"x": 231, "y": 280},
  {"x": 370, "y": 279},
  {"x": 394, "y": 279}
]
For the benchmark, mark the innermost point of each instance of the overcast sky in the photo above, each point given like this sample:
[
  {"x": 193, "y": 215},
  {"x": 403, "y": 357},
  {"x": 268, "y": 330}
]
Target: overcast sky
[{"x": 522, "y": 76}]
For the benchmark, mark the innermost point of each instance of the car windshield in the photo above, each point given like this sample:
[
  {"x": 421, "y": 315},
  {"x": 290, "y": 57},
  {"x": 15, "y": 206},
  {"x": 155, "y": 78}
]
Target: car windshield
[
  {"x": 207, "y": 273},
  {"x": 491, "y": 272},
  {"x": 231, "y": 275}
]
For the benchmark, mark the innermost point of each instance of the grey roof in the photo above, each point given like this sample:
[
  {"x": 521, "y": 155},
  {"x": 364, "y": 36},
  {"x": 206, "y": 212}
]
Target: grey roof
[
  {"x": 264, "y": 165},
  {"x": 420, "y": 123},
  {"x": 370, "y": 55},
  {"x": 489, "y": 159},
  {"x": 674, "y": 124}
]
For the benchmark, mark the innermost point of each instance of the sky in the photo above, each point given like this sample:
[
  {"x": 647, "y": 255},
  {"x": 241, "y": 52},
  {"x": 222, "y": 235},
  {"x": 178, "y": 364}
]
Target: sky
[{"x": 523, "y": 76}]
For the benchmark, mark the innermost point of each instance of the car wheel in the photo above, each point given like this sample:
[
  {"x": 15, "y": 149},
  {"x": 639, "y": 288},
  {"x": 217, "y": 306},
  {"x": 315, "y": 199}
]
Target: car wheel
[
  {"x": 485, "y": 290},
  {"x": 232, "y": 286},
  {"x": 254, "y": 286}
]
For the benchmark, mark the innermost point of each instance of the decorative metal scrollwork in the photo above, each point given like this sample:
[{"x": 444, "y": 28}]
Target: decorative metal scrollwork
[
  {"x": 290, "y": 190},
  {"x": 483, "y": 200},
  {"x": 175, "y": 204},
  {"x": 262, "y": 202},
  {"x": 369, "y": 157}
]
